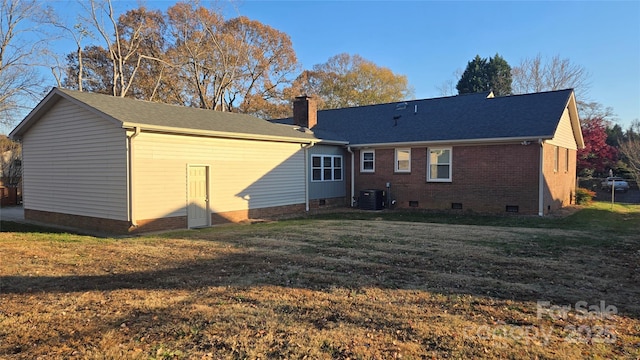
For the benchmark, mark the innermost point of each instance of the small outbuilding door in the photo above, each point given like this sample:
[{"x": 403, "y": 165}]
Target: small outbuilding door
[{"x": 198, "y": 196}]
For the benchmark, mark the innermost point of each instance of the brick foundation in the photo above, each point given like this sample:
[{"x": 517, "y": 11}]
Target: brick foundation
[
  {"x": 92, "y": 224},
  {"x": 119, "y": 227},
  {"x": 320, "y": 204},
  {"x": 263, "y": 213}
]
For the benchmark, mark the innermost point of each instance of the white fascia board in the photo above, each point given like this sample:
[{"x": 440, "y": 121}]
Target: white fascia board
[
  {"x": 488, "y": 141},
  {"x": 34, "y": 114},
  {"x": 227, "y": 135},
  {"x": 51, "y": 99},
  {"x": 575, "y": 120}
]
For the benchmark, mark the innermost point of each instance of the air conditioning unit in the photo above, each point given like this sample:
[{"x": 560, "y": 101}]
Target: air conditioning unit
[{"x": 371, "y": 199}]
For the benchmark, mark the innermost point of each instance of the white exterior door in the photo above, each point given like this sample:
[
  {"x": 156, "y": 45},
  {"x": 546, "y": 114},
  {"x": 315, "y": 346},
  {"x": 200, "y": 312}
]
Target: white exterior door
[{"x": 198, "y": 196}]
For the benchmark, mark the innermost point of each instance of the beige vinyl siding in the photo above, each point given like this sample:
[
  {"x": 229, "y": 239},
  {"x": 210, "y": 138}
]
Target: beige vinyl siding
[
  {"x": 563, "y": 136},
  {"x": 244, "y": 174},
  {"x": 74, "y": 162}
]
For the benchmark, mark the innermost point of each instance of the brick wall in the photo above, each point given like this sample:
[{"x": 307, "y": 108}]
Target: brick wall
[
  {"x": 560, "y": 184},
  {"x": 264, "y": 213},
  {"x": 320, "y": 204},
  {"x": 484, "y": 179},
  {"x": 119, "y": 227},
  {"x": 78, "y": 221}
]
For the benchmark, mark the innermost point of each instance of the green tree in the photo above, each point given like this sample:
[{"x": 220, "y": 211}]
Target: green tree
[
  {"x": 474, "y": 78},
  {"x": 350, "y": 80},
  {"x": 499, "y": 76},
  {"x": 486, "y": 74}
]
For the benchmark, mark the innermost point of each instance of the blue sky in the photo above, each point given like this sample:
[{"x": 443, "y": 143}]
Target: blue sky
[{"x": 428, "y": 40}]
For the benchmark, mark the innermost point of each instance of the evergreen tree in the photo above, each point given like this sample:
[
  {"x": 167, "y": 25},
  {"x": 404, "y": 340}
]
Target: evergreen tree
[
  {"x": 499, "y": 76},
  {"x": 486, "y": 74},
  {"x": 474, "y": 78}
]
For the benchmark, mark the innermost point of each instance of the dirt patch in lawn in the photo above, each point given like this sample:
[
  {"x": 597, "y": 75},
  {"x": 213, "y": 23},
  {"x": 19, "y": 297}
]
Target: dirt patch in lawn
[{"x": 331, "y": 289}]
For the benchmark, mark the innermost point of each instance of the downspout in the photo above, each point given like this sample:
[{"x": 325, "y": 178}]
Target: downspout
[
  {"x": 130, "y": 179},
  {"x": 353, "y": 173},
  {"x": 541, "y": 180},
  {"x": 306, "y": 174}
]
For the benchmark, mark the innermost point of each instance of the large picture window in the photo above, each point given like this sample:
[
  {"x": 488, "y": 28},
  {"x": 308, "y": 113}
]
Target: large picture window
[
  {"x": 367, "y": 161},
  {"x": 326, "y": 168},
  {"x": 403, "y": 161},
  {"x": 439, "y": 164}
]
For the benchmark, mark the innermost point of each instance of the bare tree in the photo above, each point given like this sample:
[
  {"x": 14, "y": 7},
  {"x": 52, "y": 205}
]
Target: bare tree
[
  {"x": 78, "y": 32},
  {"x": 10, "y": 162},
  {"x": 123, "y": 47},
  {"x": 537, "y": 74},
  {"x": 19, "y": 79},
  {"x": 234, "y": 65},
  {"x": 630, "y": 149}
]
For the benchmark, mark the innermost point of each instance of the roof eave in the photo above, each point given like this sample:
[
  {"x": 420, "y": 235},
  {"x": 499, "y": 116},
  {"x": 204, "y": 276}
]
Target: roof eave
[
  {"x": 227, "y": 135},
  {"x": 575, "y": 120},
  {"x": 43, "y": 106},
  {"x": 485, "y": 141}
]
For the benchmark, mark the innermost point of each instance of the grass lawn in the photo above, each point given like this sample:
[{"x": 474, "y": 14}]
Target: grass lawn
[{"x": 369, "y": 285}]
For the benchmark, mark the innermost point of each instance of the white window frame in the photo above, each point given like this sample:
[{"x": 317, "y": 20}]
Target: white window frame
[
  {"x": 450, "y": 164},
  {"x": 396, "y": 168},
  {"x": 372, "y": 161},
  {"x": 323, "y": 168},
  {"x": 556, "y": 159},
  {"x": 566, "y": 160}
]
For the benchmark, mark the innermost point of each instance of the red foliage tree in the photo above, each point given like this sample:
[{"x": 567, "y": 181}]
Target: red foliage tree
[{"x": 597, "y": 156}]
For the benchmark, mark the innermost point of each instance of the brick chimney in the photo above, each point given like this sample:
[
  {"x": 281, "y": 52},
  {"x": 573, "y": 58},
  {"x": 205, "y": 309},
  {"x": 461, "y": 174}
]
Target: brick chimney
[{"x": 305, "y": 111}]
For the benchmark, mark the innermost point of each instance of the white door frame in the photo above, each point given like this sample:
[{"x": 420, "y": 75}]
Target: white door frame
[{"x": 190, "y": 221}]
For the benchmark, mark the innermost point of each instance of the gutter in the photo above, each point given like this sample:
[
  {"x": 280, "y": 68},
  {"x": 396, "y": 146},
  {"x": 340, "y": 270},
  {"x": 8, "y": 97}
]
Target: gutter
[
  {"x": 486, "y": 141},
  {"x": 232, "y": 135},
  {"x": 306, "y": 174},
  {"x": 130, "y": 178},
  {"x": 541, "y": 180},
  {"x": 353, "y": 172}
]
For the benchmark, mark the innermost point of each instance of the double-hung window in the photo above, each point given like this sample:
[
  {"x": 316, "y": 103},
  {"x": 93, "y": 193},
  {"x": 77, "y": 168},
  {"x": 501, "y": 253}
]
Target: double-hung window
[
  {"x": 326, "y": 168},
  {"x": 367, "y": 161},
  {"x": 439, "y": 164},
  {"x": 403, "y": 161}
]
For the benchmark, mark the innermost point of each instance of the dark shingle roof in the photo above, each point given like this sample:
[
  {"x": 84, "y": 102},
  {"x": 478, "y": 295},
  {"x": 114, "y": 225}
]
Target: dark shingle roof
[
  {"x": 130, "y": 112},
  {"x": 463, "y": 117}
]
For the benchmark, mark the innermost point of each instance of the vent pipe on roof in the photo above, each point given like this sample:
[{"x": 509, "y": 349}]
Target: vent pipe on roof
[
  {"x": 415, "y": 110},
  {"x": 401, "y": 106}
]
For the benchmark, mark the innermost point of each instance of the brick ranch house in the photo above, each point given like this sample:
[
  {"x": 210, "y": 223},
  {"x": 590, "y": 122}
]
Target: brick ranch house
[
  {"x": 120, "y": 165},
  {"x": 471, "y": 152}
]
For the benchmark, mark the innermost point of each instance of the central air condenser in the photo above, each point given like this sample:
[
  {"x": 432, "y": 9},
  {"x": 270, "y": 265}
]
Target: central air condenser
[{"x": 371, "y": 199}]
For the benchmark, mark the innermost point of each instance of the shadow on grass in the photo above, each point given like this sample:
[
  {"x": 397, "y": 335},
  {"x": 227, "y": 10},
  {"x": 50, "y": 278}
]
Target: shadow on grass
[
  {"x": 11, "y": 226},
  {"x": 521, "y": 277},
  {"x": 604, "y": 268}
]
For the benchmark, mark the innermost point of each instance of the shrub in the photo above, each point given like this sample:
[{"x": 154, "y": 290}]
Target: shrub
[{"x": 584, "y": 196}]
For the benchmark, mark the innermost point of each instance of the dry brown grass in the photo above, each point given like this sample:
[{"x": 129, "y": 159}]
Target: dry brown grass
[{"x": 320, "y": 289}]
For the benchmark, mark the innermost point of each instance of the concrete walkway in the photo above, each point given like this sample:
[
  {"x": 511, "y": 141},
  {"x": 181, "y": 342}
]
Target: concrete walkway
[{"x": 12, "y": 213}]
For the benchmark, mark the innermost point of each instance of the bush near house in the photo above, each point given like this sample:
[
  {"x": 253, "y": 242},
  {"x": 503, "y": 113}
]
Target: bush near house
[{"x": 584, "y": 196}]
